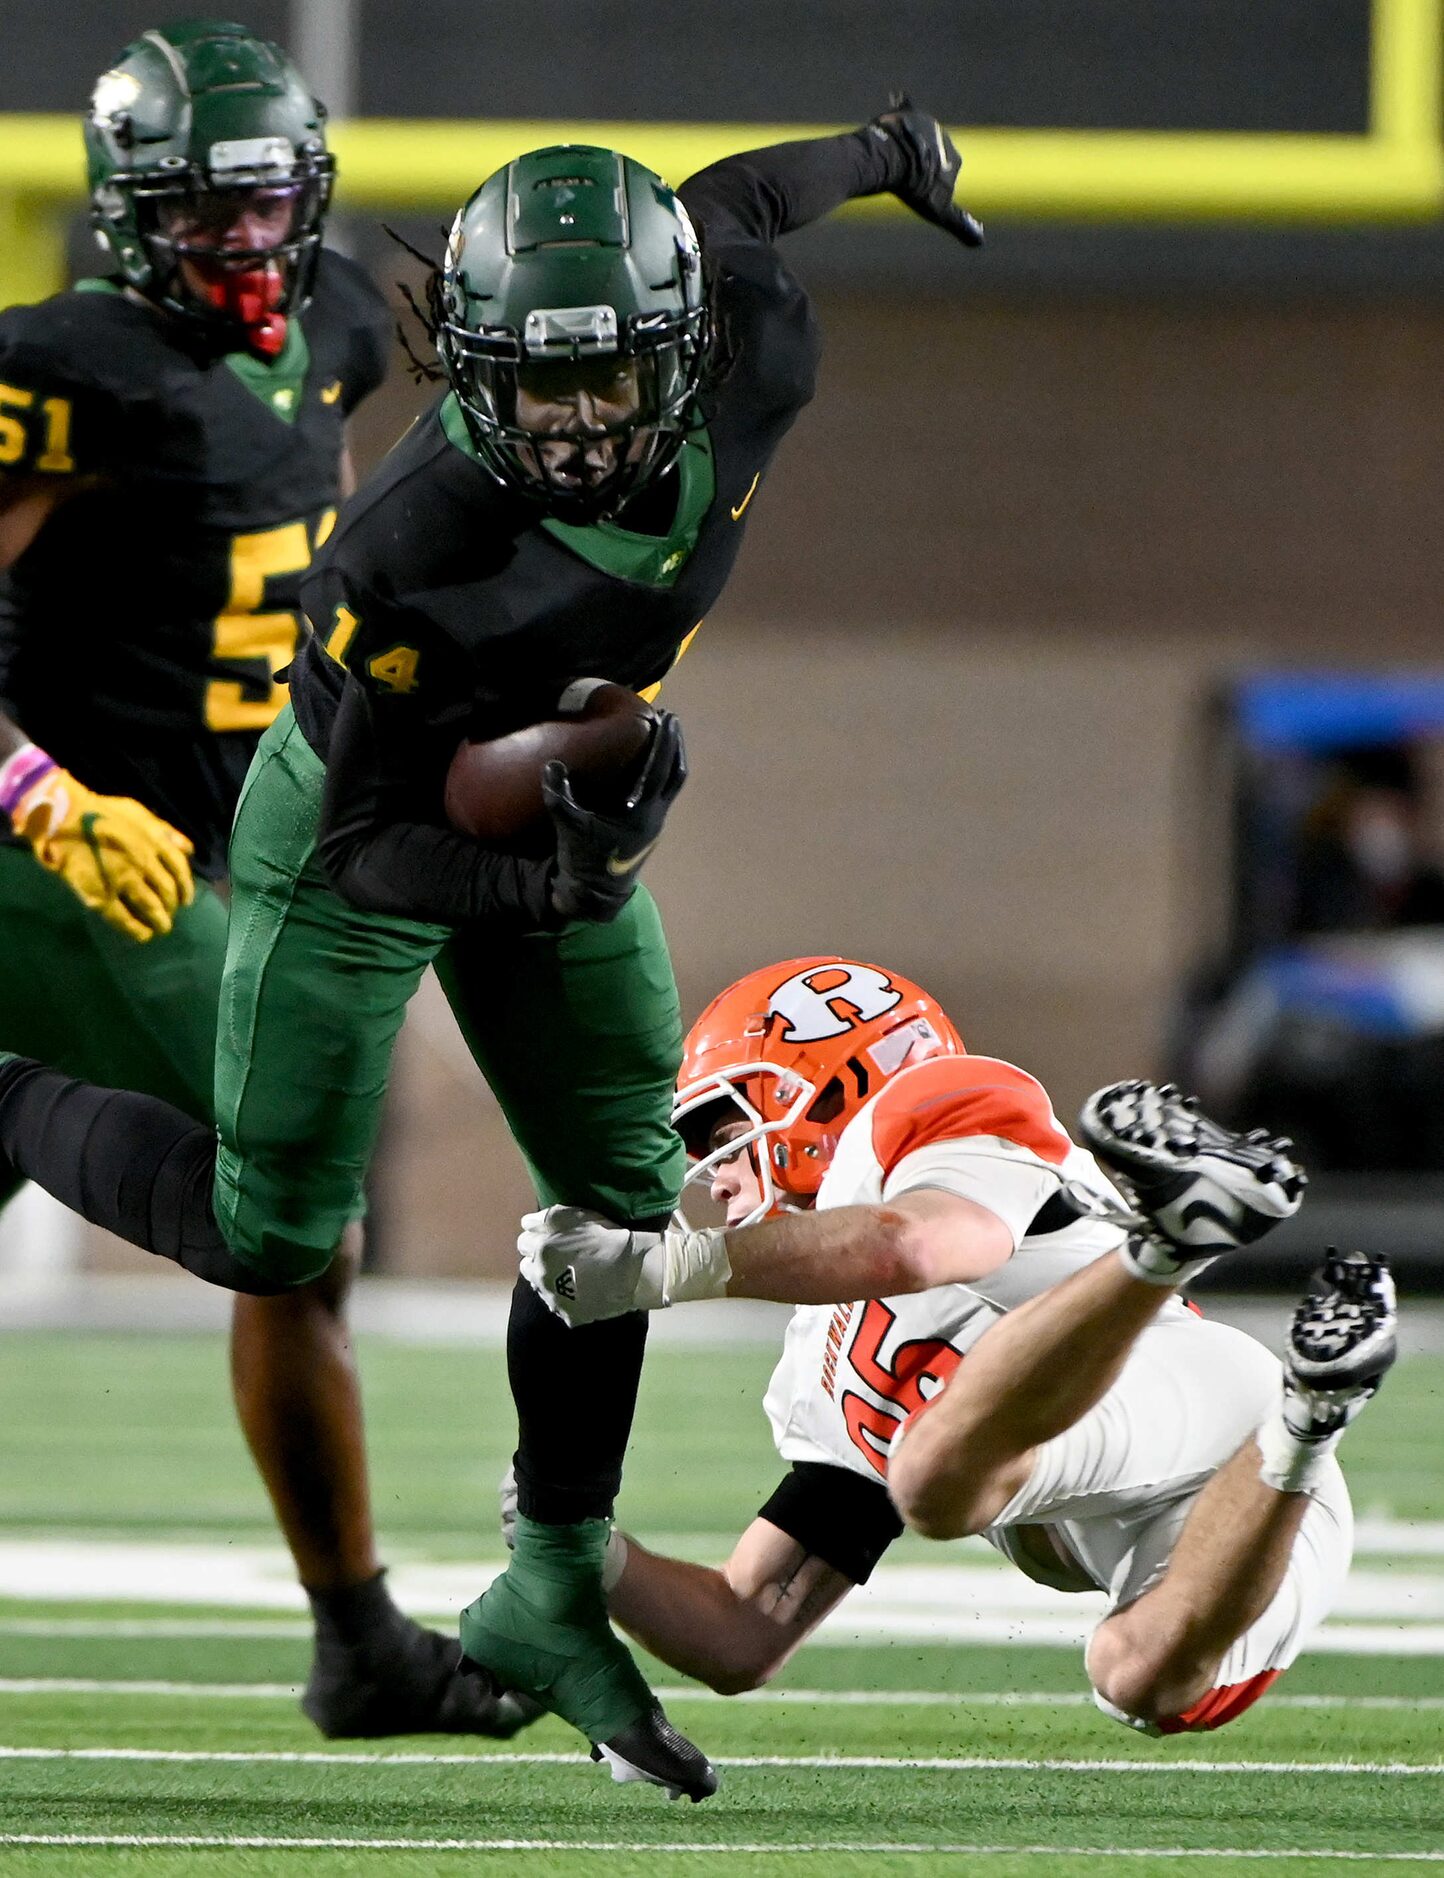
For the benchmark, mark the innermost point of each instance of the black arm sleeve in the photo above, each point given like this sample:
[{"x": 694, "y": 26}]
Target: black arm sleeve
[
  {"x": 382, "y": 857},
  {"x": 761, "y": 194},
  {"x": 836, "y": 1515},
  {"x": 54, "y": 354}
]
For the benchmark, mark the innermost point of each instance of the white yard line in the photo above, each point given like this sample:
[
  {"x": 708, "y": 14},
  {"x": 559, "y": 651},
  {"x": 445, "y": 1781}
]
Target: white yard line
[
  {"x": 692, "y": 1692},
  {"x": 1378, "y": 1537},
  {"x": 1399, "y": 1542},
  {"x": 724, "y": 1848},
  {"x": 468, "y": 1313},
  {"x": 205, "y": 1691},
  {"x": 954, "y": 1600},
  {"x": 1369, "y": 1639},
  {"x": 243, "y": 1629},
  {"x": 459, "y": 1313},
  {"x": 827, "y": 1763}
]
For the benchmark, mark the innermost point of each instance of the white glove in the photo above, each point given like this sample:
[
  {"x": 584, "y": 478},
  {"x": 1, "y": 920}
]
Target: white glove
[{"x": 585, "y": 1268}]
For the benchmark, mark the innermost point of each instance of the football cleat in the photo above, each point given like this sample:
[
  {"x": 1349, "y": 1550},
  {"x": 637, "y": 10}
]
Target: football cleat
[
  {"x": 1341, "y": 1344},
  {"x": 542, "y": 1627},
  {"x": 653, "y": 1751},
  {"x": 403, "y": 1679},
  {"x": 1201, "y": 1189}
]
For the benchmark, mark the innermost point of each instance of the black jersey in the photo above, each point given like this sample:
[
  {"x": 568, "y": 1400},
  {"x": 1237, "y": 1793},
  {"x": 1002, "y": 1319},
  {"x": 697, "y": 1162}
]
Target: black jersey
[
  {"x": 142, "y": 630},
  {"x": 446, "y": 605}
]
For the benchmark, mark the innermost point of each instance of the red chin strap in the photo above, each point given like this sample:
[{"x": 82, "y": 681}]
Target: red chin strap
[{"x": 249, "y": 296}]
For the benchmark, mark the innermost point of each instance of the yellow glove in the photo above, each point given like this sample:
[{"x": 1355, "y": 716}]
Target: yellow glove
[{"x": 114, "y": 855}]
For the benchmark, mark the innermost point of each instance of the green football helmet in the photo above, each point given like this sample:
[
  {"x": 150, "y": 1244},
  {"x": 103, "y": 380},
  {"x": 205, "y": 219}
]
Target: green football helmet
[
  {"x": 209, "y": 178},
  {"x": 572, "y": 324}
]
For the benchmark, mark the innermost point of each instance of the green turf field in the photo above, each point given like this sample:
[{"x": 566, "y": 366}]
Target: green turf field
[{"x": 150, "y": 1643}]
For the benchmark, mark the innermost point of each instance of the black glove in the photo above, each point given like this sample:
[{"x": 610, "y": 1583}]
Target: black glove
[
  {"x": 598, "y": 854},
  {"x": 929, "y": 164}
]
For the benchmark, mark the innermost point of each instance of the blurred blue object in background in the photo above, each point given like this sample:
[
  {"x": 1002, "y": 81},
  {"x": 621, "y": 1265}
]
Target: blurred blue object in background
[{"x": 1319, "y": 711}]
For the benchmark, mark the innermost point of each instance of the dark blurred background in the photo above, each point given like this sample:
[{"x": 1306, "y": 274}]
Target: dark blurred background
[{"x": 977, "y": 703}]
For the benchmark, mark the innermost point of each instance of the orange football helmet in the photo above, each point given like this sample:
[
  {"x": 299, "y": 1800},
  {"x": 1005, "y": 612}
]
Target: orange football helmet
[{"x": 793, "y": 1052}]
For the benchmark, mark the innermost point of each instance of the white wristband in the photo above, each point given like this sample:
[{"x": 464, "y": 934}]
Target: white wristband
[
  {"x": 20, "y": 772},
  {"x": 696, "y": 1265}
]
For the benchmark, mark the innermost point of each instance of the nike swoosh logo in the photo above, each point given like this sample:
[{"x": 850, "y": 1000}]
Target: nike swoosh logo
[
  {"x": 737, "y": 513},
  {"x": 634, "y": 861},
  {"x": 331, "y": 392}
]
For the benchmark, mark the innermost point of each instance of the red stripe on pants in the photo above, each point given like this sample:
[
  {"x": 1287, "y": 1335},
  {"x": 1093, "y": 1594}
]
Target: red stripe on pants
[{"x": 1221, "y": 1705}]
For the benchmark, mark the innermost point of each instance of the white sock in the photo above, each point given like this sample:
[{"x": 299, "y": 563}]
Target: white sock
[
  {"x": 1156, "y": 1262},
  {"x": 1289, "y": 1463}
]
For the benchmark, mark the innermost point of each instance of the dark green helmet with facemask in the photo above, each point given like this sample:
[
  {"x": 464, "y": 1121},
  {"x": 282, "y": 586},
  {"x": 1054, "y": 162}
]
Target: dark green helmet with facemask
[
  {"x": 572, "y": 324},
  {"x": 209, "y": 178}
]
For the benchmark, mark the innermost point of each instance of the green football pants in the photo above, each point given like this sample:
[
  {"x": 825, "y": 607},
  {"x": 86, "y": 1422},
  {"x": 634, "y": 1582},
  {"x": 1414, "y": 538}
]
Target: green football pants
[
  {"x": 577, "y": 1032},
  {"x": 83, "y": 998}
]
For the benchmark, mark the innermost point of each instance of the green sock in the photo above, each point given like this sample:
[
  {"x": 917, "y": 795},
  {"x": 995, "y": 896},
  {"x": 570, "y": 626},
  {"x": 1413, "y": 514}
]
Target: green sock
[{"x": 542, "y": 1628}]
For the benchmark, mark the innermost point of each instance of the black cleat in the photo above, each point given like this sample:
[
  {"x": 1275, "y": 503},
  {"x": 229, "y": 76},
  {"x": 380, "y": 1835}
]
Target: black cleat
[
  {"x": 652, "y": 1750},
  {"x": 1341, "y": 1344},
  {"x": 402, "y": 1679},
  {"x": 1202, "y": 1189}
]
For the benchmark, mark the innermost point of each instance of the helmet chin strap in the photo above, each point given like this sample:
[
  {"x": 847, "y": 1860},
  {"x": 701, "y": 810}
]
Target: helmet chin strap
[{"x": 250, "y": 296}]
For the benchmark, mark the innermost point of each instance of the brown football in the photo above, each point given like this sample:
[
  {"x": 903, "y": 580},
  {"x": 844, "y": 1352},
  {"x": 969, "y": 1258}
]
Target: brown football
[{"x": 493, "y": 789}]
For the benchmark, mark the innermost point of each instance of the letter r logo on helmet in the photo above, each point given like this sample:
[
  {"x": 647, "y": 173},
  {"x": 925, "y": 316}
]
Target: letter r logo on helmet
[
  {"x": 794, "y": 1052},
  {"x": 812, "y": 1012}
]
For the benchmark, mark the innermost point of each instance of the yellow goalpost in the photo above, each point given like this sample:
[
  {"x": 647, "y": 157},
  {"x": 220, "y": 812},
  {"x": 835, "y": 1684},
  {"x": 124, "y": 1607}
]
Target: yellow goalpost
[{"x": 1394, "y": 172}]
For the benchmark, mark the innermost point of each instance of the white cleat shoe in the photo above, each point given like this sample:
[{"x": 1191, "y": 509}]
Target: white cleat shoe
[
  {"x": 1341, "y": 1345},
  {"x": 1202, "y": 1189}
]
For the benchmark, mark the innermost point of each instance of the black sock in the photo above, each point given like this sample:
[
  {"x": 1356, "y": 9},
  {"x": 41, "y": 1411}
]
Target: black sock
[
  {"x": 575, "y": 1393},
  {"x": 353, "y": 1613},
  {"x": 130, "y": 1163}
]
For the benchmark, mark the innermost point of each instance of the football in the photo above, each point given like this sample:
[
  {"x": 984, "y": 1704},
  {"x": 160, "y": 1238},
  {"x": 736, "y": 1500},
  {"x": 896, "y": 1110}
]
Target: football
[{"x": 494, "y": 789}]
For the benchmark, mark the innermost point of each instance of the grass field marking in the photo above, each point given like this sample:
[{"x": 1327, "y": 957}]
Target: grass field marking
[
  {"x": 910, "y": 1763},
  {"x": 1000, "y": 1698},
  {"x": 694, "y": 1692},
  {"x": 726, "y": 1849},
  {"x": 1378, "y": 1536},
  {"x": 213, "y": 1691},
  {"x": 950, "y": 1599},
  {"x": 963, "y": 1627},
  {"x": 242, "y": 1629}
]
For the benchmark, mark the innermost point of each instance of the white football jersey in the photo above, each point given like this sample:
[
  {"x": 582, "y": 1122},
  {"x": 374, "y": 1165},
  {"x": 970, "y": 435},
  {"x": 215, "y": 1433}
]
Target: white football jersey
[
  {"x": 851, "y": 1374},
  {"x": 1114, "y": 1491}
]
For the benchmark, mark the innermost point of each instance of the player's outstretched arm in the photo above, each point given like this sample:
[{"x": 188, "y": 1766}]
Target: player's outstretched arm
[
  {"x": 919, "y": 1240},
  {"x": 762, "y": 194},
  {"x": 732, "y": 1628},
  {"x": 586, "y": 1269}
]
